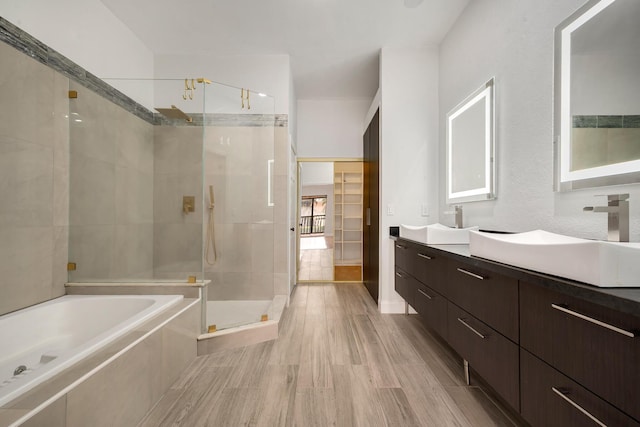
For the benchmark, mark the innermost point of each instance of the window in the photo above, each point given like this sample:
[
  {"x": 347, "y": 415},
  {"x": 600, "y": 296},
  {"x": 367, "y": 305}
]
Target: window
[{"x": 312, "y": 214}]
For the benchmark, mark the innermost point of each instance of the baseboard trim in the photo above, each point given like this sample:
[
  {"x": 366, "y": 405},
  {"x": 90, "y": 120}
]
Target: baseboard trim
[{"x": 394, "y": 307}]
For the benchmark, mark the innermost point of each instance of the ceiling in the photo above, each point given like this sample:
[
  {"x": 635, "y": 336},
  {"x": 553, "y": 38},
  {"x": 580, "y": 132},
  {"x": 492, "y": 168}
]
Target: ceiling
[{"x": 333, "y": 45}]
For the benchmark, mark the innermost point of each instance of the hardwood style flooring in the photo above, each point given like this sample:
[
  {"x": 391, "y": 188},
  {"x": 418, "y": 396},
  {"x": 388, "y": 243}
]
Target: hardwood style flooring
[
  {"x": 316, "y": 258},
  {"x": 337, "y": 362}
]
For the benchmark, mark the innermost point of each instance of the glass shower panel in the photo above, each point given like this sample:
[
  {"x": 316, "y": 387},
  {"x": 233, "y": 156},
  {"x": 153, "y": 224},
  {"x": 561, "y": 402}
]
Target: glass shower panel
[
  {"x": 128, "y": 179},
  {"x": 177, "y": 191},
  {"x": 239, "y": 229},
  {"x": 184, "y": 187}
]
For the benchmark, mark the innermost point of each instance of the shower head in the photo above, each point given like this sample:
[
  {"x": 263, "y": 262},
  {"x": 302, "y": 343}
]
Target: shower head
[{"x": 174, "y": 113}]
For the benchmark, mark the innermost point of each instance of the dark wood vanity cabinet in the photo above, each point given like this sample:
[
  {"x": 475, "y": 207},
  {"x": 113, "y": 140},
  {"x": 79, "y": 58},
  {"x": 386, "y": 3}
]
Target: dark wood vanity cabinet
[
  {"x": 552, "y": 399},
  {"x": 404, "y": 286},
  {"x": 418, "y": 273},
  {"x": 491, "y": 297},
  {"x": 432, "y": 308},
  {"x": 430, "y": 269},
  {"x": 545, "y": 347},
  {"x": 404, "y": 255},
  {"x": 595, "y": 346},
  {"x": 491, "y": 355}
]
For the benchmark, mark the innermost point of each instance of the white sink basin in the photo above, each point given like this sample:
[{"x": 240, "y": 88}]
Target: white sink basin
[
  {"x": 605, "y": 264},
  {"x": 436, "y": 234}
]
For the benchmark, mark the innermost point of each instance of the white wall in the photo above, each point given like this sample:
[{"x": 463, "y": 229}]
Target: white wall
[
  {"x": 268, "y": 74},
  {"x": 408, "y": 151},
  {"x": 513, "y": 41},
  {"x": 293, "y": 118},
  {"x": 331, "y": 127},
  {"x": 316, "y": 173},
  {"x": 86, "y": 32}
]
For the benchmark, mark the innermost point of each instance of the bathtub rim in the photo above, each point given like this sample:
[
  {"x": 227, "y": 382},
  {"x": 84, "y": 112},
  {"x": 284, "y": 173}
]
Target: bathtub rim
[
  {"x": 103, "y": 357},
  {"x": 159, "y": 304}
]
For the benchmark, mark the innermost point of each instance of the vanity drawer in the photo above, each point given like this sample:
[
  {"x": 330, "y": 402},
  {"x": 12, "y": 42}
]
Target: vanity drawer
[
  {"x": 491, "y": 355},
  {"x": 404, "y": 255},
  {"x": 589, "y": 343},
  {"x": 404, "y": 286},
  {"x": 432, "y": 308},
  {"x": 551, "y": 399},
  {"x": 430, "y": 269},
  {"x": 489, "y": 296}
]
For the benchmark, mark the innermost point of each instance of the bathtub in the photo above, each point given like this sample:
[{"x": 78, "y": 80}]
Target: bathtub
[{"x": 41, "y": 341}]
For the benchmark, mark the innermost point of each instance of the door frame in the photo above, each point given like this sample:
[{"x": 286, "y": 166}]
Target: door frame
[{"x": 298, "y": 198}]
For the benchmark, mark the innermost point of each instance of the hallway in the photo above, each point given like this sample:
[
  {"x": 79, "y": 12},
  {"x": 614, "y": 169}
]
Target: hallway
[
  {"x": 316, "y": 258},
  {"x": 337, "y": 362}
]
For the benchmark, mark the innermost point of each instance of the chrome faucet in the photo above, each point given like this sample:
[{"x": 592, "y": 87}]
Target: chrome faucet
[
  {"x": 458, "y": 213},
  {"x": 618, "y": 216}
]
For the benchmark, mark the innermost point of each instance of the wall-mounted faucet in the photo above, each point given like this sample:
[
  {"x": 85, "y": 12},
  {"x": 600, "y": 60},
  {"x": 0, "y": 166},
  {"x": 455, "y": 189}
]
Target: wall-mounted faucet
[{"x": 617, "y": 211}]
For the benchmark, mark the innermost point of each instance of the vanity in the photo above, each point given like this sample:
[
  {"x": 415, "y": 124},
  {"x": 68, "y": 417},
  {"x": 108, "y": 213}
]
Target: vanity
[
  {"x": 550, "y": 322},
  {"x": 559, "y": 352}
]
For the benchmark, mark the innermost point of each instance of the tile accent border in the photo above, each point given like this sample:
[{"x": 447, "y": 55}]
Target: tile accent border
[
  {"x": 34, "y": 48},
  {"x": 627, "y": 122},
  {"x": 230, "y": 120}
]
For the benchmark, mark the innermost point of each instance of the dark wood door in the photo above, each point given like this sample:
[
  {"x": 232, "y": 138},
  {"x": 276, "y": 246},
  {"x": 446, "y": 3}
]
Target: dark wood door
[{"x": 371, "y": 196}]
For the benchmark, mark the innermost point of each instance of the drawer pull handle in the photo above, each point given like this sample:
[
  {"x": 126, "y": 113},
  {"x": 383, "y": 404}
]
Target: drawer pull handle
[
  {"x": 424, "y": 256},
  {"x": 425, "y": 294},
  {"x": 401, "y": 247},
  {"x": 399, "y": 275},
  {"x": 578, "y": 407},
  {"x": 474, "y": 330},
  {"x": 594, "y": 321},
  {"x": 477, "y": 276}
]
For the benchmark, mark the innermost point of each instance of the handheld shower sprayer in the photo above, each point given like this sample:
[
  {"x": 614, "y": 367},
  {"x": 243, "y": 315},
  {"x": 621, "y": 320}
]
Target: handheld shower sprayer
[{"x": 211, "y": 232}]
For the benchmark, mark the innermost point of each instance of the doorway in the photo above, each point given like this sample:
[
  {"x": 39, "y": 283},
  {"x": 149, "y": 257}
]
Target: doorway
[
  {"x": 315, "y": 221},
  {"x": 330, "y": 220}
]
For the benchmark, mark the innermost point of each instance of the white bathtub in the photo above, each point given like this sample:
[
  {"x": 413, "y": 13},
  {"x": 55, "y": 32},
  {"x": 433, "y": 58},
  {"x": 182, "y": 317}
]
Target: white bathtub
[{"x": 52, "y": 336}]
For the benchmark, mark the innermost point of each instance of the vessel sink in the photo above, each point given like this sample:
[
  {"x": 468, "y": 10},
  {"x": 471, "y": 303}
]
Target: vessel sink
[
  {"x": 436, "y": 234},
  {"x": 605, "y": 264}
]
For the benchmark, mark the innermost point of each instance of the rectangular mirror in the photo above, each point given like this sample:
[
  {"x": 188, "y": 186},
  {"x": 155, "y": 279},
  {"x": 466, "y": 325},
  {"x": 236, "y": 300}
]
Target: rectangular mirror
[
  {"x": 470, "y": 147},
  {"x": 597, "y": 96}
]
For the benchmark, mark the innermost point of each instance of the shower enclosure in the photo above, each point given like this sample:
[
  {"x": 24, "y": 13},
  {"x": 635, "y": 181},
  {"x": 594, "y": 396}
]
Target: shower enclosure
[{"x": 183, "y": 186}]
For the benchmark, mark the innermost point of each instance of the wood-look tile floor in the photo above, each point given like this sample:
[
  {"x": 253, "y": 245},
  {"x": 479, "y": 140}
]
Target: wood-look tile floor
[{"x": 337, "y": 362}]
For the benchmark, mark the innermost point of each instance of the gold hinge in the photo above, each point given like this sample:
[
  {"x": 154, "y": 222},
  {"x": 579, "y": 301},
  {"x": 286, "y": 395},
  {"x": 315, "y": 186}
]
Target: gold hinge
[
  {"x": 264, "y": 318},
  {"x": 73, "y": 94},
  {"x": 71, "y": 266},
  {"x": 191, "y": 279},
  {"x": 211, "y": 329}
]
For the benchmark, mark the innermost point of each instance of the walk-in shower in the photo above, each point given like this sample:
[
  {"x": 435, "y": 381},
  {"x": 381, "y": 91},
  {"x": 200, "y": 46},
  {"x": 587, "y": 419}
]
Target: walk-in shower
[{"x": 131, "y": 175}]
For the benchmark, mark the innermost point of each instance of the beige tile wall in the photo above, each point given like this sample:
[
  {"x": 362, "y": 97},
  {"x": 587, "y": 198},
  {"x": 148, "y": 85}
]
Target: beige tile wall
[
  {"x": 87, "y": 182},
  {"x": 177, "y": 237},
  {"x": 248, "y": 231},
  {"x": 111, "y": 191},
  {"x": 34, "y": 168}
]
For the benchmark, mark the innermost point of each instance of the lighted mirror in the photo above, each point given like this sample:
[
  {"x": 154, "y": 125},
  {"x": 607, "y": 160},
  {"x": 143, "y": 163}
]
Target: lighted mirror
[
  {"x": 470, "y": 147},
  {"x": 597, "y": 96}
]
